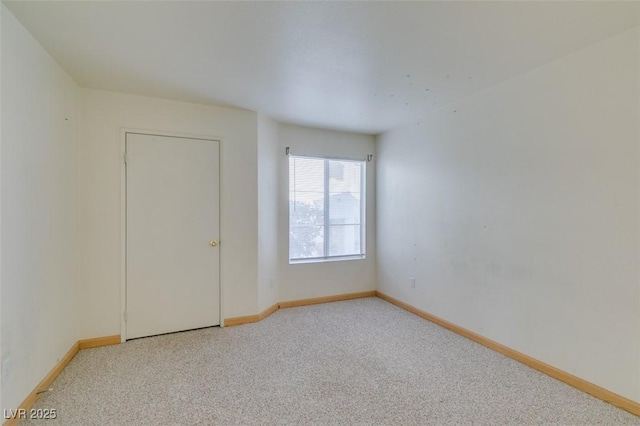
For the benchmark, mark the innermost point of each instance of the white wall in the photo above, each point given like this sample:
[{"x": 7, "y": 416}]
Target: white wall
[
  {"x": 103, "y": 115},
  {"x": 517, "y": 211},
  {"x": 268, "y": 280},
  {"x": 38, "y": 217},
  {"x": 301, "y": 281}
]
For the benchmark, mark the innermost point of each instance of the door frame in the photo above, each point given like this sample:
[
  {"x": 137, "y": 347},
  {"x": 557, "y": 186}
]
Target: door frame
[{"x": 123, "y": 215}]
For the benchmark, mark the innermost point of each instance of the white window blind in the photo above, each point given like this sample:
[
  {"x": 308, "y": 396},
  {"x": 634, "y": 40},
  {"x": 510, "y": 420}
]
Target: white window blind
[{"x": 326, "y": 208}]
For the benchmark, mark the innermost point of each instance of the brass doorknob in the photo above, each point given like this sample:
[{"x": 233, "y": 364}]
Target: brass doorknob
[{"x": 213, "y": 243}]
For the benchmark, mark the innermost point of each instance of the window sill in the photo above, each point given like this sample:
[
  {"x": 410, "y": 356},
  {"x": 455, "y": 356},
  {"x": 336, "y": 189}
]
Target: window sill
[{"x": 326, "y": 259}]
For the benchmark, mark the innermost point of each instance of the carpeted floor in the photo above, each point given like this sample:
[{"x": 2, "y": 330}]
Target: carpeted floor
[{"x": 355, "y": 362}]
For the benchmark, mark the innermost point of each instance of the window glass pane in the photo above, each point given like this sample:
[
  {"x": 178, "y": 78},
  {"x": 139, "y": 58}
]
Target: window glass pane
[
  {"x": 306, "y": 207},
  {"x": 306, "y": 242},
  {"x": 344, "y": 192},
  {"x": 306, "y": 212},
  {"x": 328, "y": 221},
  {"x": 344, "y": 240}
]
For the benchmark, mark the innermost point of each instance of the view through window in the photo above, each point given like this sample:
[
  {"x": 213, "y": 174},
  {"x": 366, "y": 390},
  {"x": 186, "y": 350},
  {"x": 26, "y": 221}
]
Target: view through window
[{"x": 326, "y": 208}]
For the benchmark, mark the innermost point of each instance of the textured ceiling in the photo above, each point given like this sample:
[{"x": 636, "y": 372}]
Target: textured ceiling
[{"x": 359, "y": 66}]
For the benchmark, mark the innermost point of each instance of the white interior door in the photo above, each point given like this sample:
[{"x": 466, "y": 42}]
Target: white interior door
[{"x": 172, "y": 219}]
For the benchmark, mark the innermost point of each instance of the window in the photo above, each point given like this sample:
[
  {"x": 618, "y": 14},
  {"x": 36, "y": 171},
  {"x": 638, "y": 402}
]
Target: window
[{"x": 326, "y": 209}]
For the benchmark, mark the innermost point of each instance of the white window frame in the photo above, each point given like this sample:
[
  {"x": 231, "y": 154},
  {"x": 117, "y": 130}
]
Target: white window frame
[{"x": 363, "y": 186}]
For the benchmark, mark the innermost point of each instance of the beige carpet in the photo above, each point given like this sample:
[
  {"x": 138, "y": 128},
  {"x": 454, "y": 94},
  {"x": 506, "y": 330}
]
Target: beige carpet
[{"x": 355, "y": 362}]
